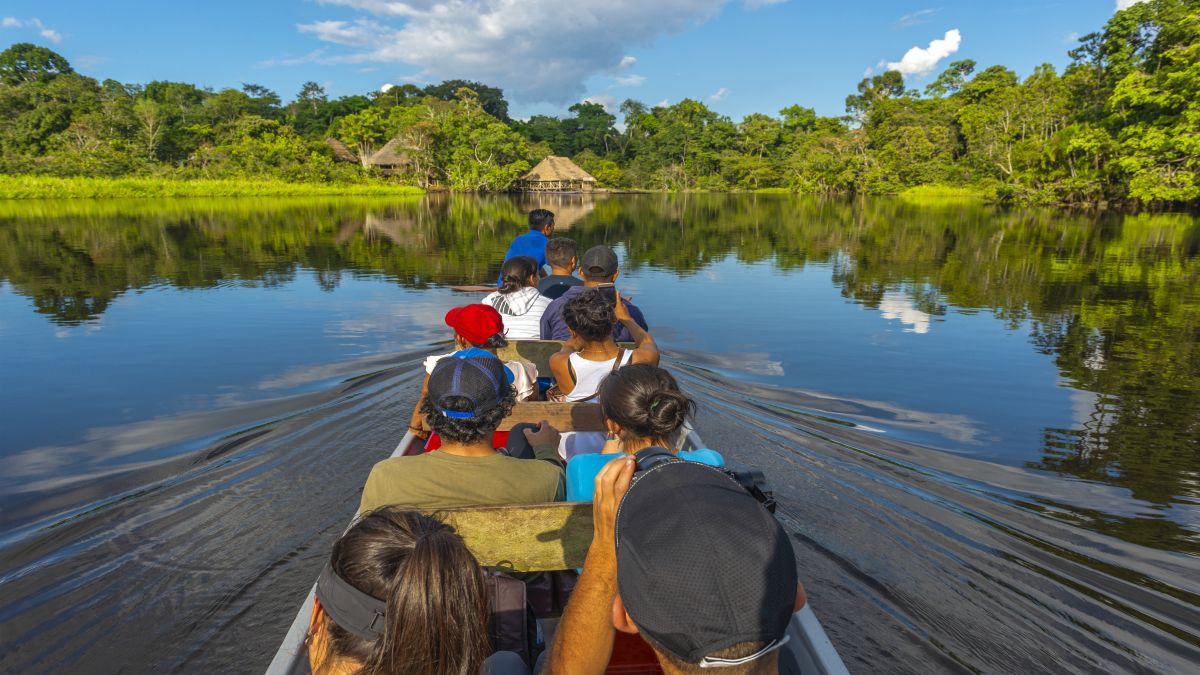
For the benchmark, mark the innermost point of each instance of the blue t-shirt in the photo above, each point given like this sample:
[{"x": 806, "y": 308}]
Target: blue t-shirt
[
  {"x": 532, "y": 244},
  {"x": 583, "y": 469}
]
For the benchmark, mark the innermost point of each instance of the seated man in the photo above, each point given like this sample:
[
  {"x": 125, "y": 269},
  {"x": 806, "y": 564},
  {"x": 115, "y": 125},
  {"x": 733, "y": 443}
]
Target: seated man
[
  {"x": 465, "y": 401},
  {"x": 599, "y": 269},
  {"x": 562, "y": 258},
  {"x": 533, "y": 242},
  {"x": 690, "y": 561}
]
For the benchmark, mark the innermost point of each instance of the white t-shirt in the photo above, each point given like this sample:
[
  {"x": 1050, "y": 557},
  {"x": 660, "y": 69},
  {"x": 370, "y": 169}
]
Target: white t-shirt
[
  {"x": 521, "y": 312},
  {"x": 524, "y": 375}
]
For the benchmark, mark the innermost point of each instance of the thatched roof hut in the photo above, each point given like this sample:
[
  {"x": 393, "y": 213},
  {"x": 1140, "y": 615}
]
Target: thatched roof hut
[
  {"x": 341, "y": 153},
  {"x": 557, "y": 174},
  {"x": 391, "y": 158}
]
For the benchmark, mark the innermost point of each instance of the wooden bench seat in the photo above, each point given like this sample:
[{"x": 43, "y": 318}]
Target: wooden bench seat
[
  {"x": 562, "y": 416},
  {"x": 525, "y": 537}
]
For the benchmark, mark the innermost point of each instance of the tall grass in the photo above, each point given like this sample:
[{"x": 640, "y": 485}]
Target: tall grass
[{"x": 51, "y": 187}]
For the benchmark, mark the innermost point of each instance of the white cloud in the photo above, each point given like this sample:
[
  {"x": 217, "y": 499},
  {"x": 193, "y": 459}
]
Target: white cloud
[
  {"x": 663, "y": 104},
  {"x": 921, "y": 61},
  {"x": 755, "y": 4},
  {"x": 1126, "y": 4},
  {"x": 631, "y": 80},
  {"x": 35, "y": 23},
  {"x": 536, "y": 50},
  {"x": 386, "y": 87},
  {"x": 609, "y": 103},
  {"x": 720, "y": 94},
  {"x": 916, "y": 18}
]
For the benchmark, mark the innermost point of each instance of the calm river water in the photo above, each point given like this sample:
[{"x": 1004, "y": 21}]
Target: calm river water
[{"x": 983, "y": 424}]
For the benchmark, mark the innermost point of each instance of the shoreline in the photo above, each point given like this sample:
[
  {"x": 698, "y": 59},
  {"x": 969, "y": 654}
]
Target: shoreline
[{"x": 22, "y": 187}]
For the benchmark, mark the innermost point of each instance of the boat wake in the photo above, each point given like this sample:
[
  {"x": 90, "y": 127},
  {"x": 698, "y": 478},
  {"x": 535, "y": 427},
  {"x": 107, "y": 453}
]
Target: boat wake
[{"x": 186, "y": 544}]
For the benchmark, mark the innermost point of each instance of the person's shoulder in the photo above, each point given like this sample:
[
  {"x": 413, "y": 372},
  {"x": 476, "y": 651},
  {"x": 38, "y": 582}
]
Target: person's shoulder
[{"x": 703, "y": 456}]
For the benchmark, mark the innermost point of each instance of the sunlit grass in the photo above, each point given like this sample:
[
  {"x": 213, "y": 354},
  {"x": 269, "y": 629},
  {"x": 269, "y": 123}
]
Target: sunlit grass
[
  {"x": 944, "y": 193},
  {"x": 50, "y": 187}
]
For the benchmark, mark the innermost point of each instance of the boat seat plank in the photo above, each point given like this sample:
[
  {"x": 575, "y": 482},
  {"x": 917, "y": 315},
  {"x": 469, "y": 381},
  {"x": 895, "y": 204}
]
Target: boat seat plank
[
  {"x": 537, "y": 352},
  {"x": 525, "y": 537},
  {"x": 562, "y": 416}
]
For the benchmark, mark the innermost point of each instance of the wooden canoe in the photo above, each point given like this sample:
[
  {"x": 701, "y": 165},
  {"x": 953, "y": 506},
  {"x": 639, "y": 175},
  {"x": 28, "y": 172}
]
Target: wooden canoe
[{"x": 556, "y": 536}]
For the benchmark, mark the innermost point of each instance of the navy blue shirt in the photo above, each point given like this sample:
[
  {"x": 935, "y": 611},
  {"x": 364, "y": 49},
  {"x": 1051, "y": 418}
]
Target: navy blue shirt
[
  {"x": 554, "y": 328},
  {"x": 532, "y": 244}
]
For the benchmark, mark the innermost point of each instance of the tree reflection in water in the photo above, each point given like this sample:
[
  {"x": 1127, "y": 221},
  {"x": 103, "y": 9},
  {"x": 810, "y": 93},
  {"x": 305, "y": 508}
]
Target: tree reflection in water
[{"x": 1113, "y": 298}]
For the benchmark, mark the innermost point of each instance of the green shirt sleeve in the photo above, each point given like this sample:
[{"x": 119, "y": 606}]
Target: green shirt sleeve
[{"x": 549, "y": 453}]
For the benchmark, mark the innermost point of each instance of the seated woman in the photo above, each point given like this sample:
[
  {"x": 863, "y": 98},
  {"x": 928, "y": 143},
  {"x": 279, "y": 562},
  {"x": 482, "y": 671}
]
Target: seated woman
[
  {"x": 518, "y": 299},
  {"x": 643, "y": 407},
  {"x": 401, "y": 594},
  {"x": 478, "y": 331},
  {"x": 592, "y": 355}
]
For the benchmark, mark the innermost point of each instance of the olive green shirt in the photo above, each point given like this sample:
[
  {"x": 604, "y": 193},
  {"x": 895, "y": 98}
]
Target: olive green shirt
[{"x": 437, "y": 480}]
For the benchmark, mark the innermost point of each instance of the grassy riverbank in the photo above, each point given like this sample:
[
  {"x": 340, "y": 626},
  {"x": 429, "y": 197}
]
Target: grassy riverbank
[{"x": 50, "y": 187}]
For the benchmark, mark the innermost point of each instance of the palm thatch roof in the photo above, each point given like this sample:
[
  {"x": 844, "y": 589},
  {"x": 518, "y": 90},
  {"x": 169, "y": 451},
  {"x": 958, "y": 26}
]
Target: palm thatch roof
[
  {"x": 341, "y": 153},
  {"x": 391, "y": 154},
  {"x": 555, "y": 168}
]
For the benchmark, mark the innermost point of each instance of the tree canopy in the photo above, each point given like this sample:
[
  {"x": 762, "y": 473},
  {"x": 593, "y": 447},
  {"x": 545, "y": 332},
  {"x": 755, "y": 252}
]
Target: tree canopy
[{"x": 1120, "y": 124}]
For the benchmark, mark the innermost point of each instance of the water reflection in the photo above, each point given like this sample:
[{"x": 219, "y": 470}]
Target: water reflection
[
  {"x": 1114, "y": 299},
  {"x": 982, "y": 424}
]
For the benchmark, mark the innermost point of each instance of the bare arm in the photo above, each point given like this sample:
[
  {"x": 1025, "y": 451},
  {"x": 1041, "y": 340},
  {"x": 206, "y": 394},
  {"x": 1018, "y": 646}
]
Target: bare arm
[
  {"x": 416, "y": 423},
  {"x": 560, "y": 368},
  {"x": 584, "y": 641},
  {"x": 647, "y": 349}
]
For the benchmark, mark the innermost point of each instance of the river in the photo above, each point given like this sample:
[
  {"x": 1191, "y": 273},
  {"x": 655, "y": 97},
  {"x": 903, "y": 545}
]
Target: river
[{"x": 983, "y": 425}]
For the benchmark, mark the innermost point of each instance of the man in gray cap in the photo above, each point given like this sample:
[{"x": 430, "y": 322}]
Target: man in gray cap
[
  {"x": 684, "y": 556},
  {"x": 598, "y": 266}
]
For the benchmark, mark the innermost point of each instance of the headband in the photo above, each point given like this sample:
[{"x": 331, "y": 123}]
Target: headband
[{"x": 360, "y": 614}]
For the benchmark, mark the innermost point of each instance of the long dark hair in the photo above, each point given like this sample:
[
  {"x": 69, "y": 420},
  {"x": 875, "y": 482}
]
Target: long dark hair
[
  {"x": 515, "y": 273},
  {"x": 436, "y": 617},
  {"x": 646, "y": 401}
]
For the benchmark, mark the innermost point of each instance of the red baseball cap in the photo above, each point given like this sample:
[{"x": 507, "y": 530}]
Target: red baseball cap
[{"x": 476, "y": 323}]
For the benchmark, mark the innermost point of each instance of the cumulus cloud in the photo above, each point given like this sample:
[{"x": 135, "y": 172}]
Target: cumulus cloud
[
  {"x": 720, "y": 94},
  {"x": 609, "y": 103},
  {"x": 34, "y": 23},
  {"x": 631, "y": 80},
  {"x": 921, "y": 61},
  {"x": 916, "y": 18},
  {"x": 1126, "y": 4},
  {"x": 536, "y": 50}
]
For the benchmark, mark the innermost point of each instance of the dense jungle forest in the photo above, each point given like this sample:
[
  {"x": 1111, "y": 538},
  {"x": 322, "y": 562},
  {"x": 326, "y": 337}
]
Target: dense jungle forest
[{"x": 1120, "y": 124}]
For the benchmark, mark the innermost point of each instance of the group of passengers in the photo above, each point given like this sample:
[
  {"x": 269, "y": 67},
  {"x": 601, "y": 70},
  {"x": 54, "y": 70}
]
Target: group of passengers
[{"x": 682, "y": 554}]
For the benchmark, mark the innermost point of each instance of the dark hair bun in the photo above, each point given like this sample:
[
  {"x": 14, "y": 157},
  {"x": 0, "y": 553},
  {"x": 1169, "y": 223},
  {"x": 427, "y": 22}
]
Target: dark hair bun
[
  {"x": 646, "y": 401},
  {"x": 666, "y": 411}
]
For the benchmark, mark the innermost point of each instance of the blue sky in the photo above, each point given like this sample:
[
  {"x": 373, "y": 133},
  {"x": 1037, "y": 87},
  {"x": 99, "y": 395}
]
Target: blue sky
[{"x": 738, "y": 56}]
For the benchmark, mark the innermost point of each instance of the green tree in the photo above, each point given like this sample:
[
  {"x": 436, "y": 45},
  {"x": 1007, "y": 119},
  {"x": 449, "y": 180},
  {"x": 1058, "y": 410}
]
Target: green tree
[{"x": 24, "y": 62}]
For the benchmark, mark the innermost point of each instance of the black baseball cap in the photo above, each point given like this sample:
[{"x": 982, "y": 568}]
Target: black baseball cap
[
  {"x": 598, "y": 261},
  {"x": 702, "y": 565},
  {"x": 479, "y": 379}
]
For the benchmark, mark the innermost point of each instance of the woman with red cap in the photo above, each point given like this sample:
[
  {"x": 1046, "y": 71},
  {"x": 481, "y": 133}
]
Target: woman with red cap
[{"x": 478, "y": 331}]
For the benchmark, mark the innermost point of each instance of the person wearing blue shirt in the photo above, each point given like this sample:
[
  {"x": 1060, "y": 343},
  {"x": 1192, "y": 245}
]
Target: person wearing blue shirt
[
  {"x": 533, "y": 242},
  {"x": 643, "y": 407}
]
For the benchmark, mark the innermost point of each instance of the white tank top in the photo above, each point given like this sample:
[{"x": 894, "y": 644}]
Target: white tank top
[{"x": 589, "y": 374}]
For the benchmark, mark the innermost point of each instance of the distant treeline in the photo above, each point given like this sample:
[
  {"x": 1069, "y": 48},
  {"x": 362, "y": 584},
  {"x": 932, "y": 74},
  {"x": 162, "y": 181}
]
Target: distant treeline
[{"x": 1120, "y": 124}]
